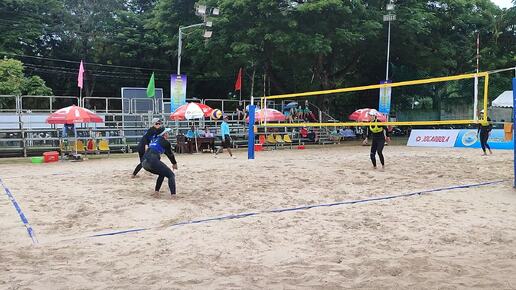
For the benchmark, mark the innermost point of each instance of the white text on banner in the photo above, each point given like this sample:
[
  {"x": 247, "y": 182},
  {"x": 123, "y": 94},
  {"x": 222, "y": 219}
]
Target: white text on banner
[{"x": 433, "y": 138}]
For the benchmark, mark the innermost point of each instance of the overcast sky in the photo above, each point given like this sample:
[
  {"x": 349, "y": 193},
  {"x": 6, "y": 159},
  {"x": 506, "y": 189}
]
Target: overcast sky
[{"x": 503, "y": 3}]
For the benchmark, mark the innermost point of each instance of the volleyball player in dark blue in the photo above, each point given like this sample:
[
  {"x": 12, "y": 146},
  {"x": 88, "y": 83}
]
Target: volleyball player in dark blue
[
  {"x": 151, "y": 133},
  {"x": 152, "y": 163}
]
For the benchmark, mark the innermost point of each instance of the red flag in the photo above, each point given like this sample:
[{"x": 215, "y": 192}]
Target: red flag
[{"x": 238, "y": 83}]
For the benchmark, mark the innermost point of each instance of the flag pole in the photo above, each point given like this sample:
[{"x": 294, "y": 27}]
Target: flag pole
[
  {"x": 80, "y": 82},
  {"x": 238, "y": 83},
  {"x": 195, "y": 136}
]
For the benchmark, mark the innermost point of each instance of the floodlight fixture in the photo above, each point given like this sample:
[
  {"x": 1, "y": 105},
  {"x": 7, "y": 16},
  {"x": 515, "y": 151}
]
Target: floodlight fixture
[
  {"x": 205, "y": 12},
  {"x": 389, "y": 18},
  {"x": 201, "y": 9},
  {"x": 207, "y": 33}
]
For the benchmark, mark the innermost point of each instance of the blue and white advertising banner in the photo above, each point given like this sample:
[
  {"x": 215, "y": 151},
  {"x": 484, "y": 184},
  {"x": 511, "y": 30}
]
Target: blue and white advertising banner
[
  {"x": 384, "y": 106},
  {"x": 470, "y": 139},
  {"x": 177, "y": 91}
]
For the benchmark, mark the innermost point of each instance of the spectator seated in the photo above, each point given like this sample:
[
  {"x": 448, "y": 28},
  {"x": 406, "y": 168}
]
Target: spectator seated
[
  {"x": 182, "y": 146},
  {"x": 190, "y": 134},
  {"x": 207, "y": 133},
  {"x": 335, "y": 136},
  {"x": 303, "y": 133},
  {"x": 347, "y": 134}
]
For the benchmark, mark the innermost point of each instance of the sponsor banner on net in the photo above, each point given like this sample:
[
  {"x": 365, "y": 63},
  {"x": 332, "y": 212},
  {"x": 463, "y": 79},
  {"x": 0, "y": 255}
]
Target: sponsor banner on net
[
  {"x": 471, "y": 139},
  {"x": 433, "y": 138}
]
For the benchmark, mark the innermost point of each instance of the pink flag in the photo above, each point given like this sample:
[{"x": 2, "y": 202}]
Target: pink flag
[{"x": 80, "y": 78}]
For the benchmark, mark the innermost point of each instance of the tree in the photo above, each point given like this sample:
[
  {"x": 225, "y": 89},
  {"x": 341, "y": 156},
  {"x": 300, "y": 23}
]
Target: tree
[
  {"x": 30, "y": 27},
  {"x": 35, "y": 86},
  {"x": 14, "y": 82},
  {"x": 12, "y": 79}
]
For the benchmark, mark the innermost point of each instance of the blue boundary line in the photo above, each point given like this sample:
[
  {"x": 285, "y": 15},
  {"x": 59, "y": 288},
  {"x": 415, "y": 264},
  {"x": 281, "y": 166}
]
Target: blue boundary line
[
  {"x": 306, "y": 207},
  {"x": 121, "y": 232},
  {"x": 24, "y": 219}
]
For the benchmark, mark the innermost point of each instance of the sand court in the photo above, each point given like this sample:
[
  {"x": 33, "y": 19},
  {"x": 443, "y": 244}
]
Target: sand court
[{"x": 459, "y": 238}]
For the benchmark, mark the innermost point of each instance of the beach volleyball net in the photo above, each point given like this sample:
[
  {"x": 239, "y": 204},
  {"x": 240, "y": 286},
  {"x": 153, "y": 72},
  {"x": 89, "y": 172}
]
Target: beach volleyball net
[{"x": 450, "y": 100}]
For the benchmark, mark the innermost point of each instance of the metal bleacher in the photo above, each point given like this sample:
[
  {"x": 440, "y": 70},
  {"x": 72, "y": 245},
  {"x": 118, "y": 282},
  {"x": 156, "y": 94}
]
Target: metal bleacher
[{"x": 24, "y": 132}]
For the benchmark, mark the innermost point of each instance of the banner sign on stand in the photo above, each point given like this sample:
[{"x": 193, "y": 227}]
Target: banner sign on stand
[
  {"x": 463, "y": 138},
  {"x": 433, "y": 138},
  {"x": 177, "y": 91},
  {"x": 470, "y": 139},
  {"x": 384, "y": 106}
]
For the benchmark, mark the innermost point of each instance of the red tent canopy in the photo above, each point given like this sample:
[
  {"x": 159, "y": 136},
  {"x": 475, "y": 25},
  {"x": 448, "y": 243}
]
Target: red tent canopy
[{"x": 73, "y": 114}]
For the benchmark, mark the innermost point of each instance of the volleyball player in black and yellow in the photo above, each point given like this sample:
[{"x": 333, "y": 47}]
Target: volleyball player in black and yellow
[
  {"x": 484, "y": 128},
  {"x": 379, "y": 134}
]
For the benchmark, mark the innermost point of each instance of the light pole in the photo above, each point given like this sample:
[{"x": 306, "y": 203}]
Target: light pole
[
  {"x": 203, "y": 11},
  {"x": 388, "y": 18},
  {"x": 180, "y": 44}
]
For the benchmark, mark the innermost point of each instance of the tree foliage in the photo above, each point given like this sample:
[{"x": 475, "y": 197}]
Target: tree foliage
[{"x": 14, "y": 82}]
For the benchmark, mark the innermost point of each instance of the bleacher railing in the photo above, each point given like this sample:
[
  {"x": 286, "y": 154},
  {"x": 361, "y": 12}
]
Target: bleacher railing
[{"x": 23, "y": 130}]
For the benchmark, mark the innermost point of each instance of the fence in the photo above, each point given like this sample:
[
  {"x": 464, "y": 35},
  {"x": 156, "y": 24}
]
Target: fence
[{"x": 24, "y": 132}]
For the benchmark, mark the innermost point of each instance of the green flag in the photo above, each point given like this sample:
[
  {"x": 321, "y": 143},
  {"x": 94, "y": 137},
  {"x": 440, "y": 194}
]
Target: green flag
[{"x": 151, "y": 88}]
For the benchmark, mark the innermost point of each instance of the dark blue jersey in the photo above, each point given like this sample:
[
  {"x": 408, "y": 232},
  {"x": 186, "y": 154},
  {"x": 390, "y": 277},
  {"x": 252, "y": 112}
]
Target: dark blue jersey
[
  {"x": 158, "y": 146},
  {"x": 150, "y": 134}
]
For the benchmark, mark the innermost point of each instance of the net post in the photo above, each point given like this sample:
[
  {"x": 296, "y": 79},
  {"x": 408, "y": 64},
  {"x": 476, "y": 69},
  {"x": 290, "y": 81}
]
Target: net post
[
  {"x": 250, "y": 141},
  {"x": 263, "y": 114},
  {"x": 513, "y": 120},
  {"x": 486, "y": 96},
  {"x": 475, "y": 100}
]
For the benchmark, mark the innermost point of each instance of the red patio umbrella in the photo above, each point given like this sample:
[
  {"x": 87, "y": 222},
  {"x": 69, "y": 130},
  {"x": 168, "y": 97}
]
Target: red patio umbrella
[
  {"x": 268, "y": 115},
  {"x": 191, "y": 111},
  {"x": 73, "y": 114},
  {"x": 362, "y": 115}
]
